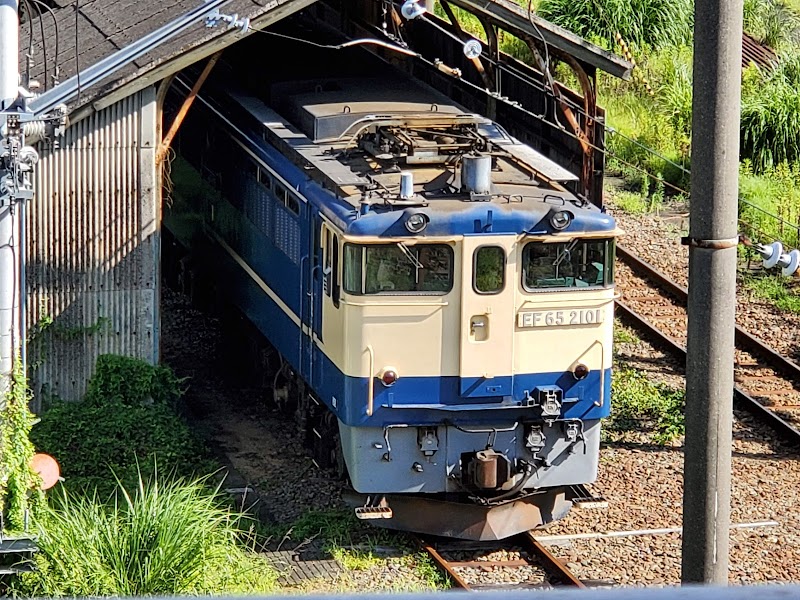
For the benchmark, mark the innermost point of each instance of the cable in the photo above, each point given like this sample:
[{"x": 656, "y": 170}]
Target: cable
[
  {"x": 359, "y": 42},
  {"x": 44, "y": 43},
  {"x": 56, "y": 69},
  {"x": 29, "y": 55},
  {"x": 77, "y": 66}
]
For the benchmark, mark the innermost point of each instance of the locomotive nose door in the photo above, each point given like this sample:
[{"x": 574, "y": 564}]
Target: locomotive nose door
[{"x": 488, "y": 279}]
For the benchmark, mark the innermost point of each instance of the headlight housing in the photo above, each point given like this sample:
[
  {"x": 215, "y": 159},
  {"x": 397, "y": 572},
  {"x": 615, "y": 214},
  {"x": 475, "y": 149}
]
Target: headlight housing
[
  {"x": 560, "y": 219},
  {"x": 416, "y": 222}
]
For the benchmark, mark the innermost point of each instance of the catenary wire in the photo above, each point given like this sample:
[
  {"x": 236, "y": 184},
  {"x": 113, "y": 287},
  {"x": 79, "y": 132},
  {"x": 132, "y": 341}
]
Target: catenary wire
[{"x": 56, "y": 68}]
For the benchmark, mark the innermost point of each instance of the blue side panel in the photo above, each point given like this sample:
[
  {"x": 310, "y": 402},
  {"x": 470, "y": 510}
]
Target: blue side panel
[
  {"x": 480, "y": 387},
  {"x": 428, "y": 400}
]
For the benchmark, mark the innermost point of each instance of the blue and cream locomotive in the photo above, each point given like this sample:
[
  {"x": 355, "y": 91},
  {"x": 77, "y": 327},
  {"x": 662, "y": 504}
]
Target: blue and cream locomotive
[{"x": 442, "y": 304}]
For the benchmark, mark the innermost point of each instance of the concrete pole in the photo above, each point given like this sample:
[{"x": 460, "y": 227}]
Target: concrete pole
[
  {"x": 712, "y": 290},
  {"x": 10, "y": 335}
]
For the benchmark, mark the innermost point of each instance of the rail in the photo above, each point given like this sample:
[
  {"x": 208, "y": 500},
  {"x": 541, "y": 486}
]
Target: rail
[
  {"x": 532, "y": 552},
  {"x": 744, "y": 340}
]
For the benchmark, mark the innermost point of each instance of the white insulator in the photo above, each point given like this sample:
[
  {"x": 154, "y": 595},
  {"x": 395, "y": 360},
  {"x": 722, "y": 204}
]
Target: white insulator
[
  {"x": 412, "y": 9},
  {"x": 406, "y": 185},
  {"x": 34, "y": 131},
  {"x": 772, "y": 254},
  {"x": 476, "y": 174},
  {"x": 792, "y": 262}
]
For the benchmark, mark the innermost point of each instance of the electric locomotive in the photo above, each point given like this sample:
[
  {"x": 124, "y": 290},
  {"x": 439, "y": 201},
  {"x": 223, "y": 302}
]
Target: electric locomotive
[{"x": 441, "y": 301}]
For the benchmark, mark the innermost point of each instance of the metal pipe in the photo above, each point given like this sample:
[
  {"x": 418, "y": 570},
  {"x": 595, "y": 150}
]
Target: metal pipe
[
  {"x": 9, "y": 53},
  {"x": 712, "y": 290}
]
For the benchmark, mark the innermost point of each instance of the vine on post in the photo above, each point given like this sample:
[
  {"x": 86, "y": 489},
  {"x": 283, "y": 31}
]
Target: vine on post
[{"x": 19, "y": 485}]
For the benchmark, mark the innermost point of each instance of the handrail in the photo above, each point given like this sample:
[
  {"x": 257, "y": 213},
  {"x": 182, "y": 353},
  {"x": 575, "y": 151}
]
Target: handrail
[
  {"x": 343, "y": 301},
  {"x": 371, "y": 382}
]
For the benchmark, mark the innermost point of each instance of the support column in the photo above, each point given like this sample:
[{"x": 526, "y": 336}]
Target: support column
[{"x": 712, "y": 290}]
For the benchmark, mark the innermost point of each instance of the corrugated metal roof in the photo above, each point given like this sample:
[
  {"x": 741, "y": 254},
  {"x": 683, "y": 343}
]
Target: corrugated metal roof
[{"x": 755, "y": 52}]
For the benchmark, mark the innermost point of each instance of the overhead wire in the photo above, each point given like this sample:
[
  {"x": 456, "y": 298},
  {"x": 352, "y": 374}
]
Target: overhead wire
[
  {"x": 56, "y": 67},
  {"x": 44, "y": 42},
  {"x": 29, "y": 55}
]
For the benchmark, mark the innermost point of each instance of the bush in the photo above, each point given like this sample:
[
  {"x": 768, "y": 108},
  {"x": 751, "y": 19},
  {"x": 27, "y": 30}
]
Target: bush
[
  {"x": 170, "y": 537},
  {"x": 127, "y": 419}
]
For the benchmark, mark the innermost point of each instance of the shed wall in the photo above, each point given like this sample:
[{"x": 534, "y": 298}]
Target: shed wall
[{"x": 92, "y": 247}]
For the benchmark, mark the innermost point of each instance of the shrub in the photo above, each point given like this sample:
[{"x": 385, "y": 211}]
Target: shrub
[
  {"x": 170, "y": 537},
  {"x": 127, "y": 419}
]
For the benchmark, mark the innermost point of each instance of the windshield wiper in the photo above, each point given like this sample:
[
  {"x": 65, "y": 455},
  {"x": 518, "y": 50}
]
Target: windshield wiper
[
  {"x": 410, "y": 255},
  {"x": 565, "y": 253}
]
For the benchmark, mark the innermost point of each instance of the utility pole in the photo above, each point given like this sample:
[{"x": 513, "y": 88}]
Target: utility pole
[
  {"x": 10, "y": 180},
  {"x": 712, "y": 290}
]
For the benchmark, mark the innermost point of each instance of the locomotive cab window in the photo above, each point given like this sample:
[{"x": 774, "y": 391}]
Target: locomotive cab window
[
  {"x": 489, "y": 273},
  {"x": 574, "y": 264},
  {"x": 398, "y": 269}
]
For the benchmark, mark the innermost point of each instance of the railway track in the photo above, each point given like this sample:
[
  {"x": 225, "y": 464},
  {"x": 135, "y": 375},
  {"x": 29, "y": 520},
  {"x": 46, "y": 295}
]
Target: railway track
[
  {"x": 520, "y": 562},
  {"x": 767, "y": 384}
]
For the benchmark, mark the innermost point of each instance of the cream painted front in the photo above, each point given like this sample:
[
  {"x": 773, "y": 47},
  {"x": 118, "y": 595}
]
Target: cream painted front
[
  {"x": 486, "y": 339},
  {"x": 559, "y": 347}
]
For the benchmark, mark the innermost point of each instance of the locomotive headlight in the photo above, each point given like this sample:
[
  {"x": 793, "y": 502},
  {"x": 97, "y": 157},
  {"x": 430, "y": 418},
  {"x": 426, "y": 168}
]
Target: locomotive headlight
[
  {"x": 561, "y": 219},
  {"x": 388, "y": 376},
  {"x": 580, "y": 371},
  {"x": 416, "y": 222}
]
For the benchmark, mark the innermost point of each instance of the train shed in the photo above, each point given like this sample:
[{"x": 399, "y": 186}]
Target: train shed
[{"x": 93, "y": 230}]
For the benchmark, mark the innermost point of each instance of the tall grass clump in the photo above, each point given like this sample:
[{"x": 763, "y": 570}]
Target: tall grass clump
[
  {"x": 641, "y": 23},
  {"x": 772, "y": 22},
  {"x": 770, "y": 123},
  {"x": 168, "y": 537}
]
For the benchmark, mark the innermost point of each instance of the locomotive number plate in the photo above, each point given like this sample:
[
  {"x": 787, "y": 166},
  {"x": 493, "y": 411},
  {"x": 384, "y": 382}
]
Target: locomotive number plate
[{"x": 558, "y": 318}]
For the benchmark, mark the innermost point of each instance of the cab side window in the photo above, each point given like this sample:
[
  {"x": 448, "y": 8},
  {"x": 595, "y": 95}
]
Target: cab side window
[
  {"x": 330, "y": 270},
  {"x": 489, "y": 270}
]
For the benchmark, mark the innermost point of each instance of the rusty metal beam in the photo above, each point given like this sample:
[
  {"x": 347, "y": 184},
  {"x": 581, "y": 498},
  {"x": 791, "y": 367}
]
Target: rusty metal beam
[{"x": 187, "y": 104}]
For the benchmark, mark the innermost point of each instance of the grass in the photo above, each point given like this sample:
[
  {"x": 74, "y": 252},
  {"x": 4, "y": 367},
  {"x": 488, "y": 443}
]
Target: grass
[
  {"x": 624, "y": 335},
  {"x": 641, "y": 406},
  {"x": 642, "y": 23},
  {"x": 360, "y": 548},
  {"x": 165, "y": 537},
  {"x": 774, "y": 289}
]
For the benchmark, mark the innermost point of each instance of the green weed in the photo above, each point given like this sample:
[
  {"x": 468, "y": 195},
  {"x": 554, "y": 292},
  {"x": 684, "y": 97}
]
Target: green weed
[
  {"x": 624, "y": 335},
  {"x": 640, "y": 405},
  {"x": 776, "y": 289},
  {"x": 642, "y": 23}
]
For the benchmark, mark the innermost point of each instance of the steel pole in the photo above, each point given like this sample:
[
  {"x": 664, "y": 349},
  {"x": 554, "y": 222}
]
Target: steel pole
[
  {"x": 9, "y": 52},
  {"x": 712, "y": 290},
  {"x": 9, "y": 223}
]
